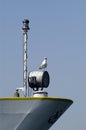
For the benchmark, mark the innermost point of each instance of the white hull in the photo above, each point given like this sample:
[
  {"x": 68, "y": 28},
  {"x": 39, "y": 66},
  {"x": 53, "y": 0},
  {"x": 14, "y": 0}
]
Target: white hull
[{"x": 31, "y": 113}]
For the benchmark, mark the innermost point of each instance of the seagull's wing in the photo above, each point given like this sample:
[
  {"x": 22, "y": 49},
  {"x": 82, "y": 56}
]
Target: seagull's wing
[{"x": 43, "y": 64}]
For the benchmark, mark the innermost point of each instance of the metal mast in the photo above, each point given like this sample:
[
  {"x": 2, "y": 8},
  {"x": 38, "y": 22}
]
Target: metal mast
[{"x": 25, "y": 29}]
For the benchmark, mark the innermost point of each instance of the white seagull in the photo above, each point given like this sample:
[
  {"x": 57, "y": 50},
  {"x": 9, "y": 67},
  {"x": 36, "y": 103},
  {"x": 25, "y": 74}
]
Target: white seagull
[{"x": 43, "y": 64}]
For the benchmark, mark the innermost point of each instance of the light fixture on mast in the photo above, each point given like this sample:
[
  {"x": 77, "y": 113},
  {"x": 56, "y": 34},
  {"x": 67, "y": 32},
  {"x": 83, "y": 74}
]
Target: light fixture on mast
[{"x": 25, "y": 29}]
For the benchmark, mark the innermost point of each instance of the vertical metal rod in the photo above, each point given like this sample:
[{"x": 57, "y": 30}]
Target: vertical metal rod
[{"x": 25, "y": 29}]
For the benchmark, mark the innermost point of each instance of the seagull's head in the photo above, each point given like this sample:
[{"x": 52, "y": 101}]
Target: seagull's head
[{"x": 45, "y": 58}]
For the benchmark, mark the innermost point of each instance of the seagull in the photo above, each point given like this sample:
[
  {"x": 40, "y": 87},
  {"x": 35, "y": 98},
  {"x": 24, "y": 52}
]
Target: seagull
[{"x": 43, "y": 64}]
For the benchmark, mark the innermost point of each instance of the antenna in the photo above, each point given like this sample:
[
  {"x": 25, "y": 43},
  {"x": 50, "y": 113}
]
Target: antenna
[{"x": 25, "y": 29}]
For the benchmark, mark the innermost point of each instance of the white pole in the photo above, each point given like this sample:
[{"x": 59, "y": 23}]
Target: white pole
[{"x": 25, "y": 29}]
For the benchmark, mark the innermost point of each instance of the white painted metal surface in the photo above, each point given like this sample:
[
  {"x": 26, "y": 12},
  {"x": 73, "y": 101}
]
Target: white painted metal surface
[
  {"x": 40, "y": 94},
  {"x": 31, "y": 113}
]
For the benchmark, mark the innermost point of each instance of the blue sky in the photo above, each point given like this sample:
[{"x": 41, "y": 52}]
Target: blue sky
[{"x": 57, "y": 31}]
